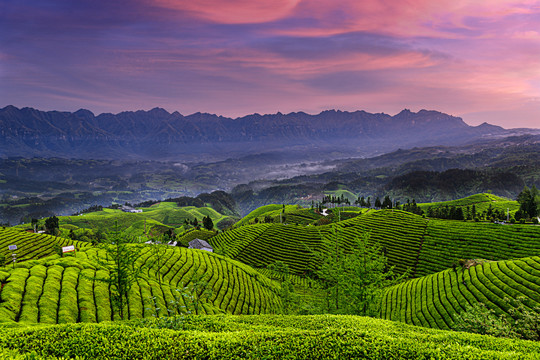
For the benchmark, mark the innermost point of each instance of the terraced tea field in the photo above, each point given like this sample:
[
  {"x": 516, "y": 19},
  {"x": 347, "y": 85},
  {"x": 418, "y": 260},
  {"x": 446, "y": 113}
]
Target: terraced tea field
[
  {"x": 447, "y": 241},
  {"x": 433, "y": 300},
  {"x": 410, "y": 242},
  {"x": 32, "y": 246},
  {"x": 62, "y": 290},
  {"x": 260, "y": 245}
]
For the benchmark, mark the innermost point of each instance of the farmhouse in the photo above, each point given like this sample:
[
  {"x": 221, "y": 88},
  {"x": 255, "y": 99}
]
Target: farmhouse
[
  {"x": 201, "y": 245},
  {"x": 129, "y": 209}
]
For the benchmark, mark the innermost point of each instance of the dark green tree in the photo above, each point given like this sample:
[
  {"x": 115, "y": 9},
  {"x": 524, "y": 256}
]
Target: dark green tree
[
  {"x": 52, "y": 225},
  {"x": 529, "y": 201},
  {"x": 387, "y": 203},
  {"x": 208, "y": 224}
]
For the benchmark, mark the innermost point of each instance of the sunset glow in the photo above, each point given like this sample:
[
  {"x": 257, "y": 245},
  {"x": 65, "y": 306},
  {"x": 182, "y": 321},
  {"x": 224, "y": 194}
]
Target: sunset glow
[{"x": 476, "y": 59}]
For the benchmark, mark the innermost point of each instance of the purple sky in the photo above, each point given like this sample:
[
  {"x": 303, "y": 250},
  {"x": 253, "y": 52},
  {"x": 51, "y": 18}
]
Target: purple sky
[{"x": 476, "y": 59}]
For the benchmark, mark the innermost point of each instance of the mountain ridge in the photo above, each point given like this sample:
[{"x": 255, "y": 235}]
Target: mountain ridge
[{"x": 158, "y": 134}]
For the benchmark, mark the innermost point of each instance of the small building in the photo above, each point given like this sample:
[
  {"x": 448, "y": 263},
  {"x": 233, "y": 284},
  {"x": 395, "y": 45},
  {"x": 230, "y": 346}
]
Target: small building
[
  {"x": 201, "y": 245},
  {"x": 129, "y": 209}
]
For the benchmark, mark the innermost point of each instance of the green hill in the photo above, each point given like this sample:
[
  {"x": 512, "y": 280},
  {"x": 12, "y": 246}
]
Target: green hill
[
  {"x": 262, "y": 244},
  {"x": 480, "y": 201},
  {"x": 162, "y": 216},
  {"x": 433, "y": 300},
  {"x": 423, "y": 245},
  {"x": 258, "y": 337},
  {"x": 61, "y": 290},
  {"x": 32, "y": 246},
  {"x": 272, "y": 211}
]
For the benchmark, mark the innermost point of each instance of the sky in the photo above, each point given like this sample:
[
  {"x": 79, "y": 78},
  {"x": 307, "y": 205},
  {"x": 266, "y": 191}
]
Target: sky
[{"x": 476, "y": 59}]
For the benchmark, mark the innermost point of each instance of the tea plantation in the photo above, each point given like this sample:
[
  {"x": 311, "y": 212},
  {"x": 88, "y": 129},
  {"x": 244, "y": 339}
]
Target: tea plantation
[
  {"x": 63, "y": 290},
  {"x": 258, "y": 337},
  {"x": 32, "y": 246},
  {"x": 56, "y": 307},
  {"x": 434, "y": 300},
  {"x": 410, "y": 242}
]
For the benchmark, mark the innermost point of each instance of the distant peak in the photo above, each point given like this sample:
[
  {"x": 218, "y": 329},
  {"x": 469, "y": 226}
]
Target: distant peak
[
  {"x": 158, "y": 111},
  {"x": 10, "y": 107},
  {"x": 84, "y": 113}
]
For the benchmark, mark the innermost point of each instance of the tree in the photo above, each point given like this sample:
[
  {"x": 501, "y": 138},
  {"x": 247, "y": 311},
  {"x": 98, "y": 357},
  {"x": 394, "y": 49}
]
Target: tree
[
  {"x": 367, "y": 273},
  {"x": 158, "y": 251},
  {"x": 378, "y": 203},
  {"x": 121, "y": 255},
  {"x": 354, "y": 278},
  {"x": 208, "y": 224},
  {"x": 52, "y": 225},
  {"x": 529, "y": 201},
  {"x": 387, "y": 203},
  {"x": 362, "y": 202}
]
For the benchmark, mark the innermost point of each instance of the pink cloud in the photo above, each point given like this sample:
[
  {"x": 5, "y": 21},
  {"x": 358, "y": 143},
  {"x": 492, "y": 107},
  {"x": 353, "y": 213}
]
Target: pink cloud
[
  {"x": 403, "y": 18},
  {"x": 233, "y": 11}
]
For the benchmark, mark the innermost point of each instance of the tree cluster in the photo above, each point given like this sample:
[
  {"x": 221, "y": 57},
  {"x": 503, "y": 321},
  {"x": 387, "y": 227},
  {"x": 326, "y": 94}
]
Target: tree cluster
[
  {"x": 446, "y": 212},
  {"x": 362, "y": 202},
  {"x": 52, "y": 225},
  {"x": 339, "y": 200},
  {"x": 412, "y": 207}
]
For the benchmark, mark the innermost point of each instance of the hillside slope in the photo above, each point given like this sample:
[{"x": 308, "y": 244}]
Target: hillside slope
[
  {"x": 434, "y": 300},
  {"x": 60, "y": 290},
  {"x": 32, "y": 246},
  {"x": 410, "y": 242}
]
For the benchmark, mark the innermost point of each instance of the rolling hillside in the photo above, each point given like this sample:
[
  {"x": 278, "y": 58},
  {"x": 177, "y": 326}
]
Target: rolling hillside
[
  {"x": 32, "y": 246},
  {"x": 433, "y": 300},
  {"x": 51, "y": 289},
  {"x": 410, "y": 242},
  {"x": 161, "y": 216},
  {"x": 481, "y": 202}
]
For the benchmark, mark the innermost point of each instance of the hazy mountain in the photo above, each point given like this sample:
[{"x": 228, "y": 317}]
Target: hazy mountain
[{"x": 158, "y": 134}]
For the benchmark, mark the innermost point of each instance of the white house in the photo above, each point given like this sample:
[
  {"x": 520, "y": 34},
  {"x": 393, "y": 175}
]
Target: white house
[{"x": 201, "y": 245}]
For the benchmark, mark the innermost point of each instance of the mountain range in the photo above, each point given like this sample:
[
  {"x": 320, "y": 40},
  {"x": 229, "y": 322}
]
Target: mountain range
[{"x": 160, "y": 135}]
